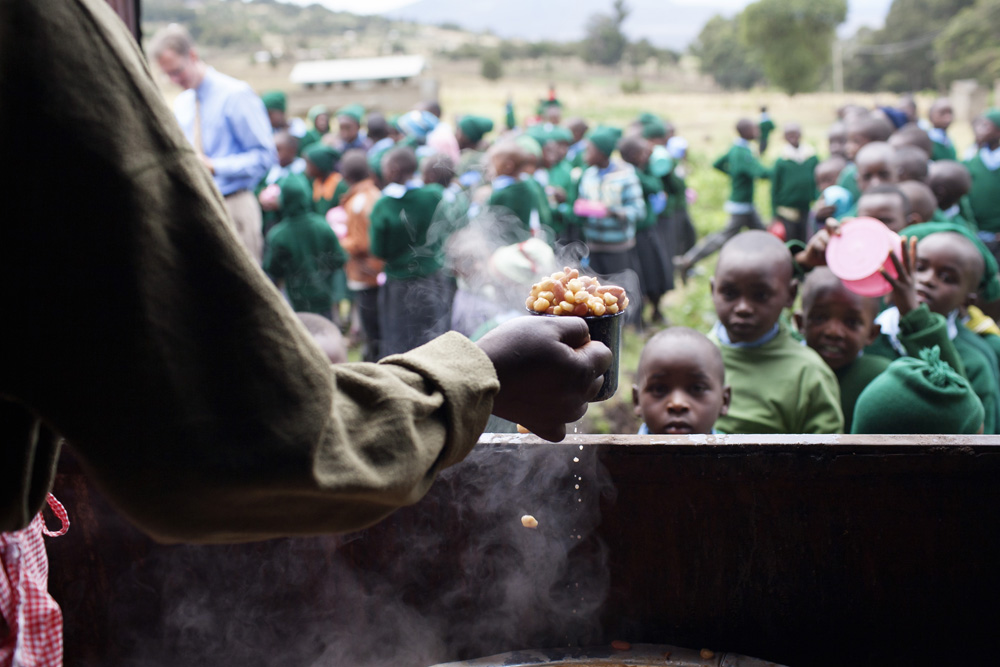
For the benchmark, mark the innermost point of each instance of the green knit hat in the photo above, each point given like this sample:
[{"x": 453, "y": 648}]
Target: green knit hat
[
  {"x": 647, "y": 117},
  {"x": 317, "y": 111},
  {"x": 529, "y": 144},
  {"x": 321, "y": 155},
  {"x": 919, "y": 396},
  {"x": 560, "y": 134},
  {"x": 274, "y": 100},
  {"x": 654, "y": 129},
  {"x": 355, "y": 111},
  {"x": 989, "y": 286},
  {"x": 605, "y": 139},
  {"x": 993, "y": 115},
  {"x": 474, "y": 127}
]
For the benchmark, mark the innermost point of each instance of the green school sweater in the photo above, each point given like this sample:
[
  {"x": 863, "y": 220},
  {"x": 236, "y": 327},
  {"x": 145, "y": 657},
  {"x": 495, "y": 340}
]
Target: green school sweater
[
  {"x": 651, "y": 186},
  {"x": 303, "y": 251},
  {"x": 853, "y": 379},
  {"x": 780, "y": 387},
  {"x": 941, "y": 151},
  {"x": 521, "y": 198},
  {"x": 743, "y": 169},
  {"x": 849, "y": 180},
  {"x": 982, "y": 370},
  {"x": 793, "y": 184},
  {"x": 399, "y": 234},
  {"x": 920, "y": 329},
  {"x": 984, "y": 197}
]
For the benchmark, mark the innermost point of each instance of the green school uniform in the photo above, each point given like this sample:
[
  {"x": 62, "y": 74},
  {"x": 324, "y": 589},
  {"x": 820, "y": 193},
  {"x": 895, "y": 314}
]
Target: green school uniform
[
  {"x": 984, "y": 197},
  {"x": 920, "y": 329},
  {"x": 941, "y": 151},
  {"x": 399, "y": 235},
  {"x": 743, "y": 169},
  {"x": 521, "y": 198},
  {"x": 848, "y": 179},
  {"x": 983, "y": 374},
  {"x": 651, "y": 186},
  {"x": 853, "y": 379},
  {"x": 793, "y": 183},
  {"x": 781, "y": 386},
  {"x": 303, "y": 251}
]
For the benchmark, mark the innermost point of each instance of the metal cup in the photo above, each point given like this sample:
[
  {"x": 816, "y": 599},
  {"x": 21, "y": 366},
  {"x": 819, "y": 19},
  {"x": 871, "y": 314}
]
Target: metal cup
[{"x": 606, "y": 329}]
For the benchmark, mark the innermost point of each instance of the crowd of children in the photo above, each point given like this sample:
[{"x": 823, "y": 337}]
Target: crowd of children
[{"x": 438, "y": 226}]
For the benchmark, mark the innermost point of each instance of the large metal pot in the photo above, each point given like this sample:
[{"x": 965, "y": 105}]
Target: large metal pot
[{"x": 639, "y": 655}]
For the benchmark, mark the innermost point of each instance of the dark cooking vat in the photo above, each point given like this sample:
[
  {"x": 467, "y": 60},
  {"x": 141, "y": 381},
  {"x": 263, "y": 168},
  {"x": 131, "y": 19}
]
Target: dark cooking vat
[
  {"x": 639, "y": 655},
  {"x": 804, "y": 550}
]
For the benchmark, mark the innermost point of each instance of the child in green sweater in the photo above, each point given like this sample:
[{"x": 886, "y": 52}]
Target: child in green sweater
[
  {"x": 949, "y": 271},
  {"x": 303, "y": 252},
  {"x": 839, "y": 324},
  {"x": 950, "y": 182},
  {"x": 743, "y": 169},
  {"x": 680, "y": 384},
  {"x": 984, "y": 167},
  {"x": 779, "y": 385},
  {"x": 793, "y": 184},
  {"x": 414, "y": 303},
  {"x": 516, "y": 200}
]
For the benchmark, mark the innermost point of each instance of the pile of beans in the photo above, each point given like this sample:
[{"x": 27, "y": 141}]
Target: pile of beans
[{"x": 566, "y": 292}]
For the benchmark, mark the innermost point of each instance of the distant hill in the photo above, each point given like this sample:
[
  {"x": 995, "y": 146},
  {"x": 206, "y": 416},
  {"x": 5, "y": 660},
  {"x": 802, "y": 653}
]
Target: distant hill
[{"x": 664, "y": 23}]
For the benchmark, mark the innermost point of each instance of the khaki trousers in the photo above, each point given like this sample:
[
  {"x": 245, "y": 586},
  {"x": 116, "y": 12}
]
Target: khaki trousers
[{"x": 244, "y": 214}]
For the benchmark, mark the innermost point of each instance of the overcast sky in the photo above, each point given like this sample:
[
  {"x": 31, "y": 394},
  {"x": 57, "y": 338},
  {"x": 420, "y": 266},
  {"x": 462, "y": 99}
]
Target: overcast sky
[{"x": 677, "y": 33}]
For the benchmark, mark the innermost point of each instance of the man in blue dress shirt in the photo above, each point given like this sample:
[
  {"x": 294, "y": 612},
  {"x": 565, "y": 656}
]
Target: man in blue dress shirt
[{"x": 225, "y": 121}]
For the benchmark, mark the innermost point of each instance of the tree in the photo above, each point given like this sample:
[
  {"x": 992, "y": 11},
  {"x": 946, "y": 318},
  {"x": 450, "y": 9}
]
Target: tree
[
  {"x": 605, "y": 42},
  {"x": 722, "y": 55},
  {"x": 969, "y": 46},
  {"x": 902, "y": 53},
  {"x": 492, "y": 66},
  {"x": 793, "y": 38}
]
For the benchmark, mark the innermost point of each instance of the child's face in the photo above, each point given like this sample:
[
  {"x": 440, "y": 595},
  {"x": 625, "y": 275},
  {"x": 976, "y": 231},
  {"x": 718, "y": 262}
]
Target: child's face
[
  {"x": 347, "y": 128},
  {"x": 749, "y": 295},
  {"x": 941, "y": 116},
  {"x": 680, "y": 389},
  {"x": 886, "y": 207},
  {"x": 837, "y": 141},
  {"x": 875, "y": 171},
  {"x": 855, "y": 140},
  {"x": 838, "y": 325},
  {"x": 504, "y": 164},
  {"x": 286, "y": 152},
  {"x": 793, "y": 137},
  {"x": 943, "y": 275},
  {"x": 312, "y": 172},
  {"x": 322, "y": 123},
  {"x": 985, "y": 131},
  {"x": 825, "y": 178},
  {"x": 593, "y": 155}
]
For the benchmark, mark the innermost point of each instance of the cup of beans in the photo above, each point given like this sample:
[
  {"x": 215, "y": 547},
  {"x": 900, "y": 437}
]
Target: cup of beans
[{"x": 567, "y": 293}]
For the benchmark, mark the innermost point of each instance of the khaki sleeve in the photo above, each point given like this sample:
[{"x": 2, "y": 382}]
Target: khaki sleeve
[{"x": 137, "y": 327}]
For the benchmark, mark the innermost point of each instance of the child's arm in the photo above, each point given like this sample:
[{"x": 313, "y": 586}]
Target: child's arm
[
  {"x": 722, "y": 164},
  {"x": 775, "y": 185},
  {"x": 919, "y": 328},
  {"x": 822, "y": 410}
]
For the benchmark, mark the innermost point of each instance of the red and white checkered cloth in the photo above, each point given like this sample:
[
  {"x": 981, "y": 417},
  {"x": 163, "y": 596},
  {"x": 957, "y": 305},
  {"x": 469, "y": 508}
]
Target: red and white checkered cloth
[{"x": 33, "y": 636}]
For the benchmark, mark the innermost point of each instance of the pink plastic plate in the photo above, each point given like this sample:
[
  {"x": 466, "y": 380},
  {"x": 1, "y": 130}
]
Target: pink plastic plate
[
  {"x": 858, "y": 253},
  {"x": 587, "y": 208}
]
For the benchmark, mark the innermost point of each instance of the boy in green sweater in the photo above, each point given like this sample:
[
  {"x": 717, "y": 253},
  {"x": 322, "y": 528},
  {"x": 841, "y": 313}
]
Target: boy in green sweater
[
  {"x": 743, "y": 169},
  {"x": 793, "y": 184},
  {"x": 303, "y": 253},
  {"x": 839, "y": 324},
  {"x": 779, "y": 385},
  {"x": 523, "y": 210},
  {"x": 949, "y": 271},
  {"x": 414, "y": 303},
  {"x": 941, "y": 116},
  {"x": 656, "y": 276},
  {"x": 984, "y": 167},
  {"x": 950, "y": 182}
]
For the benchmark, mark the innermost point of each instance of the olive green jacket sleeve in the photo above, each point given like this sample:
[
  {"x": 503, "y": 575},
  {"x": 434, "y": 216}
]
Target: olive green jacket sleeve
[{"x": 137, "y": 327}]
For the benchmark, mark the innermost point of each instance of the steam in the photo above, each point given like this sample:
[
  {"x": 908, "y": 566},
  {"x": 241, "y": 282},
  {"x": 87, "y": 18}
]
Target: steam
[{"x": 455, "y": 577}]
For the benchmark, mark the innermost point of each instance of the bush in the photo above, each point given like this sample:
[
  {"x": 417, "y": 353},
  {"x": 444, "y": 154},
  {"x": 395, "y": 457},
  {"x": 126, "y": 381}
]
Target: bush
[
  {"x": 492, "y": 67},
  {"x": 631, "y": 86}
]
